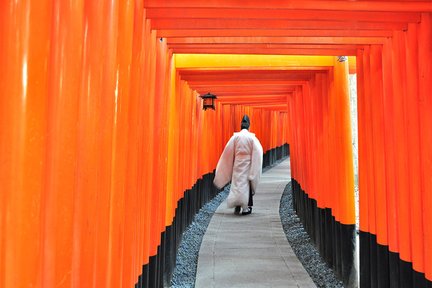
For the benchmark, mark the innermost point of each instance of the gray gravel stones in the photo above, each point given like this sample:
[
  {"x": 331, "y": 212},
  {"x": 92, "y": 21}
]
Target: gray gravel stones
[
  {"x": 321, "y": 274},
  {"x": 187, "y": 255}
]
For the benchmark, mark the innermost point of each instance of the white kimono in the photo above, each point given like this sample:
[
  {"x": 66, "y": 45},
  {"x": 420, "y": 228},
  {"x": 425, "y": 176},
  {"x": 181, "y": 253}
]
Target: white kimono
[{"x": 240, "y": 163}]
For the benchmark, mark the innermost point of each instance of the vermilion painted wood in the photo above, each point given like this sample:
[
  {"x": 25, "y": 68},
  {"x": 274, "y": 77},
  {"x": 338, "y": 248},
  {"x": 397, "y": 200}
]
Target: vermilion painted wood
[
  {"x": 23, "y": 143},
  {"x": 276, "y": 40},
  {"x": 57, "y": 208},
  {"x": 292, "y": 14},
  {"x": 196, "y": 32},
  {"x": 413, "y": 142},
  {"x": 344, "y": 150},
  {"x": 425, "y": 106},
  {"x": 120, "y": 145},
  {"x": 402, "y": 6},
  {"x": 264, "y": 51},
  {"x": 377, "y": 125},
  {"x": 368, "y": 156},
  {"x": 389, "y": 138},
  {"x": 403, "y": 192},
  {"x": 253, "y": 88},
  {"x": 235, "y": 83},
  {"x": 132, "y": 259},
  {"x": 90, "y": 97},
  {"x": 204, "y": 23}
]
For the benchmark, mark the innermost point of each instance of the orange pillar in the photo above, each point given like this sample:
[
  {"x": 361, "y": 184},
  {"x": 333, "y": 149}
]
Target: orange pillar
[
  {"x": 413, "y": 142},
  {"x": 24, "y": 53},
  {"x": 343, "y": 148},
  {"x": 403, "y": 192},
  {"x": 389, "y": 138},
  {"x": 425, "y": 110}
]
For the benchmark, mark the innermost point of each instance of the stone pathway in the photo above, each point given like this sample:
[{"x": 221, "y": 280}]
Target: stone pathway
[{"x": 251, "y": 250}]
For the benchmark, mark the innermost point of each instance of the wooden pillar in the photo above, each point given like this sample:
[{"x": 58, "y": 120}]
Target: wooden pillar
[{"x": 425, "y": 110}]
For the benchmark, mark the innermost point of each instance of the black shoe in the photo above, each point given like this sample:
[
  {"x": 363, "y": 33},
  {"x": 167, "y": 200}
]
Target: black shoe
[
  {"x": 237, "y": 210},
  {"x": 247, "y": 212}
]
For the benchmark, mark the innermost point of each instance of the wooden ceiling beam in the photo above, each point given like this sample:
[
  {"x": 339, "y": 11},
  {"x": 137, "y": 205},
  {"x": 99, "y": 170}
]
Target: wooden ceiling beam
[
  {"x": 275, "y": 106},
  {"x": 252, "y": 97},
  {"x": 268, "y": 45},
  {"x": 292, "y": 14},
  {"x": 236, "y": 24},
  {"x": 229, "y": 98},
  {"x": 277, "y": 49},
  {"x": 234, "y": 76},
  {"x": 243, "y": 90},
  {"x": 323, "y": 5},
  {"x": 253, "y": 90},
  {"x": 265, "y": 83},
  {"x": 294, "y": 76},
  {"x": 245, "y": 99},
  {"x": 282, "y": 107},
  {"x": 264, "y": 51},
  {"x": 256, "y": 87},
  {"x": 277, "y": 40},
  {"x": 270, "y": 33}
]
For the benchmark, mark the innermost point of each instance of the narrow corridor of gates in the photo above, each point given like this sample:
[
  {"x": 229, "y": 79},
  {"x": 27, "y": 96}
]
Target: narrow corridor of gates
[{"x": 106, "y": 153}]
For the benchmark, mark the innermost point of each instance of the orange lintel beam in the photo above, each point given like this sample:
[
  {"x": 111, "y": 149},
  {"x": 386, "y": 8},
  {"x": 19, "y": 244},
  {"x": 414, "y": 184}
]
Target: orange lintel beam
[
  {"x": 253, "y": 69},
  {"x": 270, "y": 106},
  {"x": 255, "y": 90},
  {"x": 263, "y": 45},
  {"x": 259, "y": 91},
  {"x": 245, "y": 92},
  {"x": 275, "y": 40},
  {"x": 254, "y": 98},
  {"x": 257, "y": 85},
  {"x": 258, "y": 63},
  {"x": 242, "y": 13},
  {"x": 270, "y": 33},
  {"x": 262, "y": 104},
  {"x": 402, "y": 6},
  {"x": 180, "y": 24},
  {"x": 252, "y": 101},
  {"x": 252, "y": 90},
  {"x": 264, "y": 51},
  {"x": 225, "y": 83},
  {"x": 289, "y": 49},
  {"x": 251, "y": 93},
  {"x": 299, "y": 76},
  {"x": 279, "y": 109},
  {"x": 248, "y": 93}
]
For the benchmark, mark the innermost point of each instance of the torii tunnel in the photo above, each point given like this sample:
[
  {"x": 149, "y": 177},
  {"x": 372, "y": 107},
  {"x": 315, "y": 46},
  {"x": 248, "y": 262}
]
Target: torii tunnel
[{"x": 106, "y": 153}]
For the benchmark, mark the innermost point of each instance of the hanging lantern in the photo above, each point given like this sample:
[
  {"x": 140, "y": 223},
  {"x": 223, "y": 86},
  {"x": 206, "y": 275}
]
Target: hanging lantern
[
  {"x": 208, "y": 101},
  {"x": 342, "y": 58}
]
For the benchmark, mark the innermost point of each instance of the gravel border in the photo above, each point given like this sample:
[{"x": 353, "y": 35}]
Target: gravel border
[
  {"x": 187, "y": 255},
  {"x": 305, "y": 250}
]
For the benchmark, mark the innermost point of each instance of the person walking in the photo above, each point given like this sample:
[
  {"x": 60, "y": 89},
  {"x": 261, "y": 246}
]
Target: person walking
[{"x": 240, "y": 163}]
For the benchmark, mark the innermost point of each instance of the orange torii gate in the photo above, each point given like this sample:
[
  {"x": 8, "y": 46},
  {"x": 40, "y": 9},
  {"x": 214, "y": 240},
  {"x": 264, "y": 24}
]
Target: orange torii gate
[{"x": 104, "y": 146}]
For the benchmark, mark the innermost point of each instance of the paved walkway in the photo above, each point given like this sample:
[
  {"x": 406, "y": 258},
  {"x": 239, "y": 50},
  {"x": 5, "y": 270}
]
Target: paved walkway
[{"x": 251, "y": 250}]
